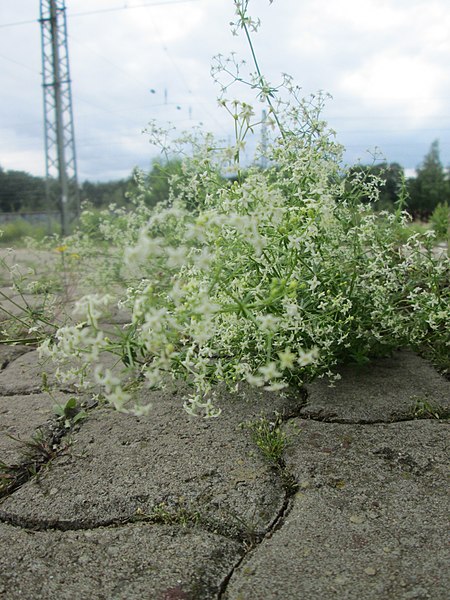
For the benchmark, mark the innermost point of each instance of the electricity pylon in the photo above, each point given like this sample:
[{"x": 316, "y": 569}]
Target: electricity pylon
[{"x": 60, "y": 156}]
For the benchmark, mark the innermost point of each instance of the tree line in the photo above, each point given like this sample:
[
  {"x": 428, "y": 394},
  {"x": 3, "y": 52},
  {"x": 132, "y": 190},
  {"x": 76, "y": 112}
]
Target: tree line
[
  {"x": 424, "y": 192},
  {"x": 21, "y": 192}
]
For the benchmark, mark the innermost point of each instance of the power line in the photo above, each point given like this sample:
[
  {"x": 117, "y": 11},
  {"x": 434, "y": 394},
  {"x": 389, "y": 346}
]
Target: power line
[
  {"x": 183, "y": 78},
  {"x": 17, "y": 23},
  {"x": 16, "y": 62},
  {"x": 107, "y": 60},
  {"x": 118, "y": 67},
  {"x": 103, "y": 10},
  {"x": 143, "y": 5}
]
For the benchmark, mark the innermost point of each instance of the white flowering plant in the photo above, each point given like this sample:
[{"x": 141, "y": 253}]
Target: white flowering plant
[{"x": 272, "y": 277}]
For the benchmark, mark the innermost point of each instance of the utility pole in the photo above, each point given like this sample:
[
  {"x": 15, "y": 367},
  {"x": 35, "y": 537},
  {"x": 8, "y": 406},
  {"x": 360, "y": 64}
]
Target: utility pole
[{"x": 60, "y": 156}]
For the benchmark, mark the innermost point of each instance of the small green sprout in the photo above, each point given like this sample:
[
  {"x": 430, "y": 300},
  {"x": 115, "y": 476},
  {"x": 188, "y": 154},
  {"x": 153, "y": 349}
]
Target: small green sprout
[
  {"x": 424, "y": 409},
  {"x": 70, "y": 412},
  {"x": 36, "y": 453},
  {"x": 164, "y": 514},
  {"x": 269, "y": 436}
]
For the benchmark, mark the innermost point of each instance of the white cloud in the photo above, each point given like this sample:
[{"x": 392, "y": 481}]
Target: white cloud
[
  {"x": 363, "y": 16},
  {"x": 385, "y": 62},
  {"x": 166, "y": 24},
  {"x": 390, "y": 82}
]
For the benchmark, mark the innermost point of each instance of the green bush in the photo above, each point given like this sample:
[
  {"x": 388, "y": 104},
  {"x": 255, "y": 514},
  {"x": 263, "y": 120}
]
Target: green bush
[
  {"x": 440, "y": 220},
  {"x": 272, "y": 278},
  {"x": 15, "y": 232}
]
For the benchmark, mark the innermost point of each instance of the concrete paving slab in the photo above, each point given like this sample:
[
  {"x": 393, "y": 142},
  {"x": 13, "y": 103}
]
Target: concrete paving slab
[
  {"x": 6, "y": 290},
  {"x": 5, "y": 277},
  {"x": 54, "y": 304},
  {"x": 134, "y": 562},
  {"x": 20, "y": 416},
  {"x": 383, "y": 391},
  {"x": 9, "y": 353},
  {"x": 368, "y": 522},
  {"x": 18, "y": 306},
  {"x": 29, "y": 258},
  {"x": 24, "y": 375},
  {"x": 120, "y": 464}
]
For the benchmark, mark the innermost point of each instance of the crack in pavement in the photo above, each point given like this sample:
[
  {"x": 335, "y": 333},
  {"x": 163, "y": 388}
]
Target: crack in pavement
[
  {"x": 290, "y": 486},
  {"x": 337, "y": 421},
  {"x": 36, "y": 390},
  {"x": 38, "y": 452},
  {"x": 250, "y": 543},
  {"x": 249, "y": 540}
]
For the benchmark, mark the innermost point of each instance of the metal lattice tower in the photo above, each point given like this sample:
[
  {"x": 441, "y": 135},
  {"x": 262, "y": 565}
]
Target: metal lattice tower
[{"x": 60, "y": 153}]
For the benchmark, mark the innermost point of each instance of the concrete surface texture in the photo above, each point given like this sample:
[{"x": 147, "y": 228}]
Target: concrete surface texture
[{"x": 171, "y": 507}]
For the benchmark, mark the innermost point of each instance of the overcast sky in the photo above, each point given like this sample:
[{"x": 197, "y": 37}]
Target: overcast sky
[{"x": 385, "y": 62}]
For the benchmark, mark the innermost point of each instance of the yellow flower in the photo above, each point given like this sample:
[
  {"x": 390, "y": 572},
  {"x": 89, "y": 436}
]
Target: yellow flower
[{"x": 61, "y": 248}]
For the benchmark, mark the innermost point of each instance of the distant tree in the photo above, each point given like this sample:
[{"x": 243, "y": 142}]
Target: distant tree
[
  {"x": 101, "y": 194},
  {"x": 152, "y": 187},
  {"x": 20, "y": 191},
  {"x": 391, "y": 176},
  {"x": 162, "y": 178},
  {"x": 430, "y": 186},
  {"x": 155, "y": 186}
]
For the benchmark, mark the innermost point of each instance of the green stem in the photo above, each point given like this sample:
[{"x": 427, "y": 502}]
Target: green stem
[
  {"x": 23, "y": 341},
  {"x": 255, "y": 61},
  {"x": 26, "y": 308}
]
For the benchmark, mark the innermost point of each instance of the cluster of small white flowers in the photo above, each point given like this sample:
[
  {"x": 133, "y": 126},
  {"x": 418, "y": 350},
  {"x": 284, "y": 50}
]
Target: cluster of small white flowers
[
  {"x": 91, "y": 307},
  {"x": 271, "y": 279}
]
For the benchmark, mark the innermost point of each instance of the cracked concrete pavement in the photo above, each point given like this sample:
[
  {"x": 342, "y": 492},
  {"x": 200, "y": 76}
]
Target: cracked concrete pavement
[
  {"x": 168, "y": 507},
  {"x": 171, "y": 507}
]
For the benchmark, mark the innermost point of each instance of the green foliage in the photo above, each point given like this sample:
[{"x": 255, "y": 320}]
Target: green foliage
[
  {"x": 414, "y": 230},
  {"x": 36, "y": 453},
  {"x": 96, "y": 223},
  {"x": 102, "y": 194},
  {"x": 429, "y": 187},
  {"x": 157, "y": 185},
  {"x": 269, "y": 437},
  {"x": 148, "y": 188},
  {"x": 272, "y": 278},
  {"x": 389, "y": 178},
  {"x": 440, "y": 220},
  {"x": 16, "y": 232},
  {"x": 69, "y": 413},
  {"x": 27, "y": 312},
  {"x": 21, "y": 191},
  {"x": 424, "y": 409},
  {"x": 176, "y": 514}
]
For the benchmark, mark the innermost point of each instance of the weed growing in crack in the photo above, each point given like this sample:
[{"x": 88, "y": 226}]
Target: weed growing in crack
[
  {"x": 271, "y": 276},
  {"x": 247, "y": 528},
  {"x": 36, "y": 453},
  {"x": 424, "y": 409},
  {"x": 272, "y": 440},
  {"x": 269, "y": 437},
  {"x": 69, "y": 413},
  {"x": 165, "y": 514},
  {"x": 27, "y": 312}
]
